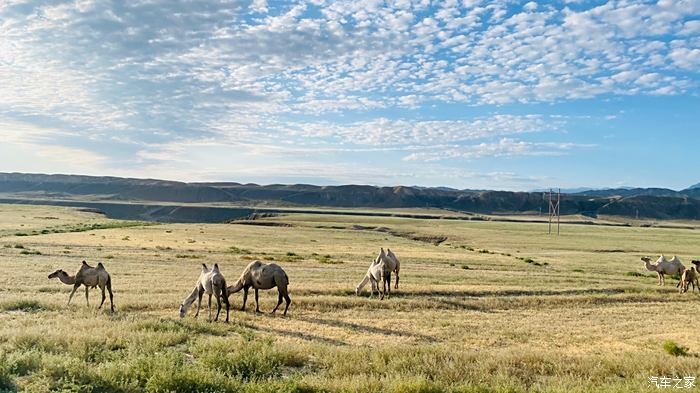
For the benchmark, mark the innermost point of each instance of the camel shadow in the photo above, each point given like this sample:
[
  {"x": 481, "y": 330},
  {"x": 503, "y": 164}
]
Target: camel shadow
[
  {"x": 369, "y": 329},
  {"x": 294, "y": 334},
  {"x": 507, "y": 293},
  {"x": 471, "y": 293}
]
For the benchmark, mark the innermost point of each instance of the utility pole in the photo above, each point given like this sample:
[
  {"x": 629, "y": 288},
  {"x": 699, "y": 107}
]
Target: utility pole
[{"x": 554, "y": 210}]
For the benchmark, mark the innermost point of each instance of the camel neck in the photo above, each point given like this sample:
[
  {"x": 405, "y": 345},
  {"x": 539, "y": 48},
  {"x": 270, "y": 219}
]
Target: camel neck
[{"x": 66, "y": 279}]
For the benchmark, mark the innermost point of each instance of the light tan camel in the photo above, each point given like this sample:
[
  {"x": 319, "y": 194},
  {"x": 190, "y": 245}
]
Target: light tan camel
[
  {"x": 689, "y": 277},
  {"x": 379, "y": 270},
  {"x": 263, "y": 276},
  {"x": 212, "y": 283},
  {"x": 392, "y": 263},
  {"x": 90, "y": 277},
  {"x": 664, "y": 266},
  {"x": 391, "y": 255}
]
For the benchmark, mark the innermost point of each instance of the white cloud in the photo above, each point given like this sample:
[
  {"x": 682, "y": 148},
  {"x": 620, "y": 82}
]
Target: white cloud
[{"x": 504, "y": 148}]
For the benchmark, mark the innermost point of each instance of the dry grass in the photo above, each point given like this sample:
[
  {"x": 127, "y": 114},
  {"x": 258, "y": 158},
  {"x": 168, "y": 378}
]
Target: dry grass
[{"x": 579, "y": 323}]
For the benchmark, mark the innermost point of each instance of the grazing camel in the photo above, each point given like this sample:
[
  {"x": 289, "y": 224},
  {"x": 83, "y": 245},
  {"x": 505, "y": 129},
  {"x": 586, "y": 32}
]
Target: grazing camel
[
  {"x": 689, "y": 277},
  {"x": 696, "y": 263},
  {"x": 263, "y": 276},
  {"x": 212, "y": 283},
  {"x": 392, "y": 263},
  {"x": 379, "y": 270},
  {"x": 90, "y": 277},
  {"x": 391, "y": 255},
  {"x": 664, "y": 266}
]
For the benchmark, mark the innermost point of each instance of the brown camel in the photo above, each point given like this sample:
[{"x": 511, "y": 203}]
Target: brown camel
[
  {"x": 90, "y": 277},
  {"x": 263, "y": 276}
]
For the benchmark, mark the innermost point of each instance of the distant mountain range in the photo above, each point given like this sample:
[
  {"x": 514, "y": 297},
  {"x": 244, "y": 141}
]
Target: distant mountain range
[{"x": 654, "y": 203}]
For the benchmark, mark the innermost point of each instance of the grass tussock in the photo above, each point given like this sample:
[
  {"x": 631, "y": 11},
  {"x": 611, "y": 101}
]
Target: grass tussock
[
  {"x": 673, "y": 348},
  {"x": 25, "y": 305}
]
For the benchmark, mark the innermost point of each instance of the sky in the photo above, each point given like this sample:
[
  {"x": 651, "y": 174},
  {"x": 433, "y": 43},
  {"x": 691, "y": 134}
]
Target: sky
[{"x": 465, "y": 94}]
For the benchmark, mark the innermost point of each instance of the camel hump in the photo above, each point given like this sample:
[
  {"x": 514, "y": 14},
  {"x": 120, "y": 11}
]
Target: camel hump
[
  {"x": 100, "y": 265},
  {"x": 85, "y": 263}
]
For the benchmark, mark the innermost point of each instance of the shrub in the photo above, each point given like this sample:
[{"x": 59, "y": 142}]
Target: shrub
[
  {"x": 674, "y": 349},
  {"x": 465, "y": 267},
  {"x": 23, "y": 305},
  {"x": 18, "y": 246},
  {"x": 327, "y": 259},
  {"x": 634, "y": 274},
  {"x": 236, "y": 250},
  {"x": 6, "y": 382},
  {"x": 30, "y": 252},
  {"x": 250, "y": 361}
]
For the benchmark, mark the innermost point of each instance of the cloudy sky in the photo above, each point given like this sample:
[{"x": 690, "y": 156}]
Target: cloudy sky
[{"x": 464, "y": 93}]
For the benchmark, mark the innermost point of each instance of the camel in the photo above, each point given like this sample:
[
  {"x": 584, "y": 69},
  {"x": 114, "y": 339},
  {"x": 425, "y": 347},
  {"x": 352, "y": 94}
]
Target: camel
[
  {"x": 689, "y": 277},
  {"x": 391, "y": 255},
  {"x": 212, "y": 283},
  {"x": 263, "y": 276},
  {"x": 664, "y": 266},
  {"x": 90, "y": 277},
  {"x": 379, "y": 270},
  {"x": 392, "y": 263}
]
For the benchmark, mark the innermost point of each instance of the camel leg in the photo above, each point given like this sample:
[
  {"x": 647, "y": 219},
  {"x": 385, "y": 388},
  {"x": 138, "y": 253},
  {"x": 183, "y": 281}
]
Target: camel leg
[
  {"x": 86, "y": 296},
  {"x": 111, "y": 295},
  {"x": 103, "y": 298},
  {"x": 226, "y": 302},
  {"x": 288, "y": 301},
  {"x": 279, "y": 301},
  {"x": 388, "y": 285},
  {"x": 245, "y": 297},
  {"x": 375, "y": 285},
  {"x": 199, "y": 302},
  {"x": 397, "y": 280},
  {"x": 257, "y": 306},
  {"x": 209, "y": 309},
  {"x": 75, "y": 288},
  {"x": 218, "y": 306}
]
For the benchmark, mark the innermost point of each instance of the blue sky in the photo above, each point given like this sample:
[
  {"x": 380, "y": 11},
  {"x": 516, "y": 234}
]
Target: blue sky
[{"x": 467, "y": 94}]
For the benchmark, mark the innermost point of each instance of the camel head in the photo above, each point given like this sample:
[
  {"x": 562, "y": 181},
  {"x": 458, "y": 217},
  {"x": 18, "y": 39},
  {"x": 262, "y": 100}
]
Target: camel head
[
  {"x": 646, "y": 259},
  {"x": 183, "y": 310},
  {"x": 57, "y": 273},
  {"x": 696, "y": 263}
]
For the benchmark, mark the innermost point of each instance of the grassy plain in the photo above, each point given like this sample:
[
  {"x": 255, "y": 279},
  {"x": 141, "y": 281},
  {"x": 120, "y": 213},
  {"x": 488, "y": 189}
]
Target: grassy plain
[{"x": 495, "y": 307}]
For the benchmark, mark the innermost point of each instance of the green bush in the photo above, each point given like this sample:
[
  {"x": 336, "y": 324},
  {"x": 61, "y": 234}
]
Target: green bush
[
  {"x": 248, "y": 360},
  {"x": 7, "y": 383},
  {"x": 674, "y": 349}
]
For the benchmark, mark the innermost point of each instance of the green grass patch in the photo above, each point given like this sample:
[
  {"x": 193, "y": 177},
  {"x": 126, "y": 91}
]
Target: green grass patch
[
  {"x": 672, "y": 348},
  {"x": 237, "y": 250},
  {"x": 328, "y": 260},
  {"x": 24, "y": 305}
]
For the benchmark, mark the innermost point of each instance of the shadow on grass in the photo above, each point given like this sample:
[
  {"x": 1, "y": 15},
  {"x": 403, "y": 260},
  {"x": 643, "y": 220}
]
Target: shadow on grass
[
  {"x": 295, "y": 334},
  {"x": 369, "y": 329}
]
